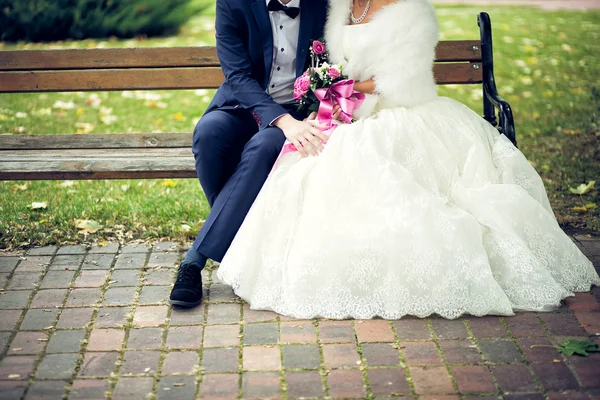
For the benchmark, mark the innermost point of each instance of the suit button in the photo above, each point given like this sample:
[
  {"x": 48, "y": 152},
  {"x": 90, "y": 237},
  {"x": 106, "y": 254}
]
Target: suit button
[
  {"x": 278, "y": 68},
  {"x": 282, "y": 49},
  {"x": 272, "y": 86}
]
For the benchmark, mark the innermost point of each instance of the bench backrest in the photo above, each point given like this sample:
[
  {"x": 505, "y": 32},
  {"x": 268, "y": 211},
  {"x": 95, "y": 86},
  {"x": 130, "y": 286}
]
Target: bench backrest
[{"x": 457, "y": 62}]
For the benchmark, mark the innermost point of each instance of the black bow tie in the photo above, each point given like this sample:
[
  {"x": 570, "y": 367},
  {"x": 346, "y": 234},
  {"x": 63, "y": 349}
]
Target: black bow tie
[{"x": 292, "y": 12}]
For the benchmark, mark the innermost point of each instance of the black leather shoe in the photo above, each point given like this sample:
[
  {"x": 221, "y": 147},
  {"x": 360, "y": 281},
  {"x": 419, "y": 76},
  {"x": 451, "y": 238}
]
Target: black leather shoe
[{"x": 187, "y": 291}]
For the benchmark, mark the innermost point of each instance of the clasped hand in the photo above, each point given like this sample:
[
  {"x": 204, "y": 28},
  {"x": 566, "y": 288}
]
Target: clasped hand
[{"x": 305, "y": 135}]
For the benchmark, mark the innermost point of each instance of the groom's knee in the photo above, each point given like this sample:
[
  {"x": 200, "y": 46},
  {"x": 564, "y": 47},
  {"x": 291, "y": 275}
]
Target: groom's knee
[{"x": 267, "y": 144}]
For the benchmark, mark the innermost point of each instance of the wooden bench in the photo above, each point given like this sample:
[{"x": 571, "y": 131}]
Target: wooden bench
[{"x": 168, "y": 155}]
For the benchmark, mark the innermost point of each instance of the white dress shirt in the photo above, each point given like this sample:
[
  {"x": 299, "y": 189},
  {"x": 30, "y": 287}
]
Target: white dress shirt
[{"x": 285, "y": 43}]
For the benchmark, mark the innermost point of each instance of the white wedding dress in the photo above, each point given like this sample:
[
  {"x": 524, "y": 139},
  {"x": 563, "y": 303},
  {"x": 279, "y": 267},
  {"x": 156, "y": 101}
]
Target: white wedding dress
[{"x": 415, "y": 209}]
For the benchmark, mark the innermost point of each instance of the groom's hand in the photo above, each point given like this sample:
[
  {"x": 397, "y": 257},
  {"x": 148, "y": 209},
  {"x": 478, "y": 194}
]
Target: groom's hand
[{"x": 305, "y": 135}]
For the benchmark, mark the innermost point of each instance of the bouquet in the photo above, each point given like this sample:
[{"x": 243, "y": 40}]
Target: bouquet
[{"x": 323, "y": 86}]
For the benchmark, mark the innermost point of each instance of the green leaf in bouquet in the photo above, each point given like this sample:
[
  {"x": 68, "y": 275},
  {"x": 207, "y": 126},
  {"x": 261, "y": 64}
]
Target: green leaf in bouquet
[{"x": 314, "y": 107}]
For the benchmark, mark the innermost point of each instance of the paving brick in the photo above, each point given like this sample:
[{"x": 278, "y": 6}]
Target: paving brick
[
  {"x": 184, "y": 337},
  {"x": 569, "y": 396},
  {"x": 562, "y": 324},
  {"x": 42, "y": 251},
  {"x": 71, "y": 250},
  {"x": 336, "y": 332},
  {"x": 3, "y": 279},
  {"x": 261, "y": 358},
  {"x": 346, "y": 383},
  {"x": 4, "y": 340},
  {"x": 388, "y": 381},
  {"x": 83, "y": 297},
  {"x": 163, "y": 276},
  {"x": 28, "y": 343},
  {"x": 17, "y": 299},
  {"x": 221, "y": 335},
  {"x": 374, "y": 331},
  {"x": 105, "y": 340},
  {"x": 57, "y": 366},
  {"x": 8, "y": 264},
  {"x": 262, "y": 333},
  {"x": 187, "y": 316},
  {"x": 592, "y": 246},
  {"x": 24, "y": 280},
  {"x": 306, "y": 384},
  {"x": 219, "y": 387},
  {"x": 38, "y": 319},
  {"x": 514, "y": 378},
  {"x": 133, "y": 389},
  {"x": 66, "y": 262},
  {"x": 305, "y": 356},
  {"x": 98, "y": 261},
  {"x": 125, "y": 277},
  {"x": 341, "y": 355},
  {"x": 140, "y": 362},
  {"x": 538, "y": 349},
  {"x": 165, "y": 246},
  {"x": 380, "y": 355},
  {"x": 9, "y": 319},
  {"x": 499, "y": 351},
  {"x": 221, "y": 293},
  {"x": 135, "y": 248},
  {"x": 46, "y": 390},
  {"x": 528, "y": 396},
  {"x": 16, "y": 365},
  {"x": 298, "y": 332},
  {"x": 176, "y": 387},
  {"x": 588, "y": 370},
  {"x": 555, "y": 376},
  {"x": 412, "y": 329},
  {"x": 154, "y": 294},
  {"x": 111, "y": 247},
  {"x": 431, "y": 380},
  {"x": 30, "y": 264},
  {"x": 111, "y": 317},
  {"x": 65, "y": 341},
  {"x": 87, "y": 389},
  {"x": 487, "y": 327},
  {"x": 421, "y": 353},
  {"x": 449, "y": 329},
  {"x": 163, "y": 259},
  {"x": 590, "y": 320},
  {"x": 460, "y": 352},
  {"x": 10, "y": 390},
  {"x": 130, "y": 261},
  {"x": 258, "y": 315},
  {"x": 57, "y": 280},
  {"x": 220, "y": 359},
  {"x": 74, "y": 318},
  {"x": 98, "y": 364},
  {"x": 49, "y": 298},
  {"x": 473, "y": 379},
  {"x": 91, "y": 278},
  {"x": 582, "y": 302},
  {"x": 184, "y": 362},
  {"x": 145, "y": 338},
  {"x": 150, "y": 316},
  {"x": 261, "y": 385},
  {"x": 119, "y": 296},
  {"x": 224, "y": 313}
]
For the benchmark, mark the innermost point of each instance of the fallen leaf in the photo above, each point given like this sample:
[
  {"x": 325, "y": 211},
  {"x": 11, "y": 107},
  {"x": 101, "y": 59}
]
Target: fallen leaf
[
  {"x": 186, "y": 227},
  {"x": 22, "y": 187},
  {"x": 147, "y": 369},
  {"x": 179, "y": 384},
  {"x": 17, "y": 349},
  {"x": 38, "y": 205},
  {"x": 581, "y": 347},
  {"x": 67, "y": 184},
  {"x": 14, "y": 376},
  {"x": 84, "y": 127},
  {"x": 583, "y": 188},
  {"x": 88, "y": 226}
]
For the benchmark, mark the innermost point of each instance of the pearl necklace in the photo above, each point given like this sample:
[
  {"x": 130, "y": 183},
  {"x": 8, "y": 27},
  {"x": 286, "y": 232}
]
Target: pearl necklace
[{"x": 362, "y": 17}]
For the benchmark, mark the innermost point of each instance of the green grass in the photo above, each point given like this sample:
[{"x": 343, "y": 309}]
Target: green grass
[{"x": 546, "y": 66}]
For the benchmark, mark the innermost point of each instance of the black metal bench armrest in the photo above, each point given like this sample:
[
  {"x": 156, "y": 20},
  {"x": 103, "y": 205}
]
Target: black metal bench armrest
[{"x": 492, "y": 99}]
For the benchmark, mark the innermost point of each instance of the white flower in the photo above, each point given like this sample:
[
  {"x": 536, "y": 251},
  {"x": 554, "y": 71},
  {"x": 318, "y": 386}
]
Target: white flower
[{"x": 64, "y": 105}]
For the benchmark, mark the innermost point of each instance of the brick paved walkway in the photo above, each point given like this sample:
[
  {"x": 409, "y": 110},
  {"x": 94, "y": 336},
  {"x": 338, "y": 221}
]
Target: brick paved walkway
[{"x": 90, "y": 324}]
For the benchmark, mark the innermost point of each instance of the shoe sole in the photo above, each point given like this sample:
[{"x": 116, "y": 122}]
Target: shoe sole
[{"x": 184, "y": 303}]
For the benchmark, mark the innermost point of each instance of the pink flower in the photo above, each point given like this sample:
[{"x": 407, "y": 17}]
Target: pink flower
[
  {"x": 318, "y": 47},
  {"x": 301, "y": 86},
  {"x": 334, "y": 73}
]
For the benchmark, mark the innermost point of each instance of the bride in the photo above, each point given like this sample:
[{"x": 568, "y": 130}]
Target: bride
[{"x": 420, "y": 207}]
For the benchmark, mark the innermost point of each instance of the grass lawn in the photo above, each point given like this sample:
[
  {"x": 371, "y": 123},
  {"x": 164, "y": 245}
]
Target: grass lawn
[{"x": 546, "y": 66}]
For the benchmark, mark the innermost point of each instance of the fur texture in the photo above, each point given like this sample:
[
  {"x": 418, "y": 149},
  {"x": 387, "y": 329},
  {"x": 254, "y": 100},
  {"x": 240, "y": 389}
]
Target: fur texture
[{"x": 396, "y": 49}]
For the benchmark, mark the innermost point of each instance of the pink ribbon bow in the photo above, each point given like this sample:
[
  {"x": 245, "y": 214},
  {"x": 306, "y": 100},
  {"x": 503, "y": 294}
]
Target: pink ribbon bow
[{"x": 341, "y": 93}]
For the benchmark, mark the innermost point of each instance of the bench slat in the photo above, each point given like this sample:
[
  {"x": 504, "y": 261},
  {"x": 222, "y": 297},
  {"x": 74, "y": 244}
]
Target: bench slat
[
  {"x": 97, "y": 164},
  {"x": 171, "y": 57},
  {"x": 162, "y": 78},
  {"x": 96, "y": 141}
]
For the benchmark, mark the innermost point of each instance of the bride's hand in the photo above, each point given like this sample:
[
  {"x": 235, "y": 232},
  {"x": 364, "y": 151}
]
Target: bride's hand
[
  {"x": 366, "y": 87},
  {"x": 337, "y": 111}
]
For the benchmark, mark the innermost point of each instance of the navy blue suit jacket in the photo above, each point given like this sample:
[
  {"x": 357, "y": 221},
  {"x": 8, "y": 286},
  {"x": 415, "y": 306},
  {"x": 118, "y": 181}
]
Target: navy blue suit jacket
[{"x": 245, "y": 51}]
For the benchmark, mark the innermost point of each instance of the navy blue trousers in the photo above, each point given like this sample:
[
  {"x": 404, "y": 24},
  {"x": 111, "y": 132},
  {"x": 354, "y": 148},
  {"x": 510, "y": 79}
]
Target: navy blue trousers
[{"x": 233, "y": 160}]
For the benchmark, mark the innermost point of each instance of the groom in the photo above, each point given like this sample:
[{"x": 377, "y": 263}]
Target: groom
[{"x": 262, "y": 46}]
